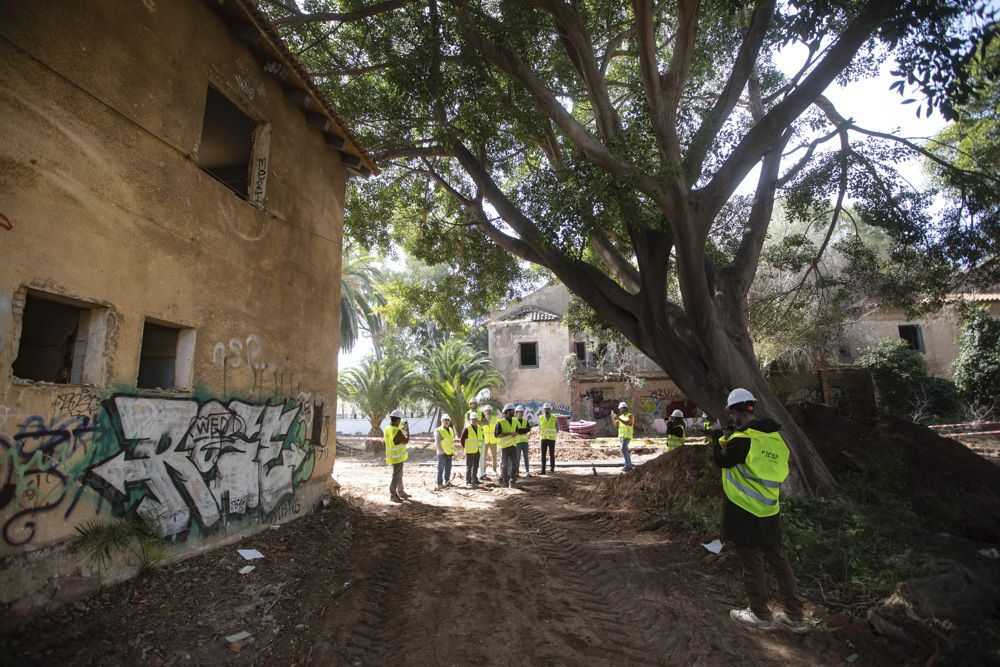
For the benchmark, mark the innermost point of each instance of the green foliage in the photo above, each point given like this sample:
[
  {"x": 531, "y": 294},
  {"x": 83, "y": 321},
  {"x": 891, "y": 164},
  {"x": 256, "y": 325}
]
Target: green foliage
[
  {"x": 897, "y": 371},
  {"x": 972, "y": 143},
  {"x": 452, "y": 373},
  {"x": 377, "y": 386},
  {"x": 359, "y": 299},
  {"x": 851, "y": 549},
  {"x": 977, "y": 368},
  {"x": 137, "y": 537}
]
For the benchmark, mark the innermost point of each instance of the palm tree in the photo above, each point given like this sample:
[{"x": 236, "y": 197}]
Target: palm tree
[
  {"x": 359, "y": 299},
  {"x": 453, "y": 372},
  {"x": 377, "y": 386}
]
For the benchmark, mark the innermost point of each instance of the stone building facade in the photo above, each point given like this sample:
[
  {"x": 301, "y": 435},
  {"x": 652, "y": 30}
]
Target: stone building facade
[{"x": 171, "y": 218}]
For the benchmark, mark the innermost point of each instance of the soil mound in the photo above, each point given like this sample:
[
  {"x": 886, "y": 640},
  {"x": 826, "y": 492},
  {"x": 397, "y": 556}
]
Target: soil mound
[
  {"x": 684, "y": 470},
  {"x": 947, "y": 484}
]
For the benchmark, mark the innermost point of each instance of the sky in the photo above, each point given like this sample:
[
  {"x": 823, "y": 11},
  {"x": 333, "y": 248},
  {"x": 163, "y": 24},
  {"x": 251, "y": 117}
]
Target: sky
[{"x": 870, "y": 103}]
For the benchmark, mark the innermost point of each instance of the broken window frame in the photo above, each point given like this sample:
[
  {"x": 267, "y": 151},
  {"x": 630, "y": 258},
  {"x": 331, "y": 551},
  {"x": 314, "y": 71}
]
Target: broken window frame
[
  {"x": 87, "y": 365},
  {"x": 260, "y": 149},
  {"x": 183, "y": 359}
]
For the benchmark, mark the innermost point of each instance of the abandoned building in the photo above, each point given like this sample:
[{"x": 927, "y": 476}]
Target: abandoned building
[
  {"x": 171, "y": 218},
  {"x": 933, "y": 336},
  {"x": 541, "y": 360}
]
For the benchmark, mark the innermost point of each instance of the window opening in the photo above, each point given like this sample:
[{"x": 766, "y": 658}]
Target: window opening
[
  {"x": 911, "y": 334},
  {"x": 581, "y": 351},
  {"x": 529, "y": 354},
  {"x": 53, "y": 345},
  {"x": 227, "y": 138},
  {"x": 157, "y": 357}
]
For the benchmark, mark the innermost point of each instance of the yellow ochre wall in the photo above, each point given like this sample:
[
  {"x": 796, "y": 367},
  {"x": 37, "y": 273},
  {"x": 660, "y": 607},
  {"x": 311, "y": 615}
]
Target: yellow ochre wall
[{"x": 103, "y": 203}]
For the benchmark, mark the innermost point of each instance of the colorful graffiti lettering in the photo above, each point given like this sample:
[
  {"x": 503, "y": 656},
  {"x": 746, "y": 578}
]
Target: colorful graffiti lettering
[
  {"x": 181, "y": 460},
  {"x": 37, "y": 470},
  {"x": 533, "y": 409}
]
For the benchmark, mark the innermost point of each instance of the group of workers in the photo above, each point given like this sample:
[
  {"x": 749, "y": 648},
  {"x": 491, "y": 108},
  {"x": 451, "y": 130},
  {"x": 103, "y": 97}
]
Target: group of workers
[{"x": 751, "y": 454}]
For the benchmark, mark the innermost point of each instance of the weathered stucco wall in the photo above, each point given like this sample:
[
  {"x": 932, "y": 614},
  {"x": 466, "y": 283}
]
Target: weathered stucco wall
[
  {"x": 939, "y": 332},
  {"x": 103, "y": 203},
  {"x": 544, "y": 383}
]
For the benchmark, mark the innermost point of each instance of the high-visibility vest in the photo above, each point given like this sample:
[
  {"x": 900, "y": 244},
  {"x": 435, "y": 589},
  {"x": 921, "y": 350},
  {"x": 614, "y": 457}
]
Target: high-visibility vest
[
  {"x": 473, "y": 439},
  {"x": 677, "y": 440},
  {"x": 521, "y": 423},
  {"x": 394, "y": 453},
  {"x": 547, "y": 427},
  {"x": 447, "y": 434},
  {"x": 755, "y": 484},
  {"x": 490, "y": 432},
  {"x": 509, "y": 431},
  {"x": 625, "y": 430}
]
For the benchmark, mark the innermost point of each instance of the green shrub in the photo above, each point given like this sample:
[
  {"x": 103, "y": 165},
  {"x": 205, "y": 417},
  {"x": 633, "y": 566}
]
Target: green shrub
[
  {"x": 897, "y": 371},
  {"x": 977, "y": 368}
]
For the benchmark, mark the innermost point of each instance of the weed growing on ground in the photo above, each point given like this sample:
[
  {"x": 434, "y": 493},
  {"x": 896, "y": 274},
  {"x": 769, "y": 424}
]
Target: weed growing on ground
[
  {"x": 852, "y": 548},
  {"x": 138, "y": 537}
]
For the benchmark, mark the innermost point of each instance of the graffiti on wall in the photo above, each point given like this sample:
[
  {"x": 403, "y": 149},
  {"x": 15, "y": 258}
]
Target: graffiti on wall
[
  {"x": 595, "y": 403},
  {"x": 186, "y": 462},
  {"x": 197, "y": 465},
  {"x": 39, "y": 470}
]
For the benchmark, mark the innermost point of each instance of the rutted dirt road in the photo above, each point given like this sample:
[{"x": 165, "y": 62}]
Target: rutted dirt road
[{"x": 484, "y": 577}]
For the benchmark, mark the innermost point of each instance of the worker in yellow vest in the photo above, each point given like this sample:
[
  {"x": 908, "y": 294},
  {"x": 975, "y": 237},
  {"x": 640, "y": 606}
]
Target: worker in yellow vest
[
  {"x": 523, "y": 429},
  {"x": 548, "y": 429},
  {"x": 506, "y": 435},
  {"x": 676, "y": 432},
  {"x": 473, "y": 436},
  {"x": 754, "y": 463},
  {"x": 396, "y": 436},
  {"x": 625, "y": 421},
  {"x": 444, "y": 440},
  {"x": 489, "y": 424}
]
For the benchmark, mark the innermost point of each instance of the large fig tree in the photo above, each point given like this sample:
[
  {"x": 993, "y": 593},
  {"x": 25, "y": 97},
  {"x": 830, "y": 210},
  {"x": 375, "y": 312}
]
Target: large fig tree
[{"x": 607, "y": 141}]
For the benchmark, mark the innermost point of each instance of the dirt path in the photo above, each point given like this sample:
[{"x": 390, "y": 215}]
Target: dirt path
[{"x": 460, "y": 577}]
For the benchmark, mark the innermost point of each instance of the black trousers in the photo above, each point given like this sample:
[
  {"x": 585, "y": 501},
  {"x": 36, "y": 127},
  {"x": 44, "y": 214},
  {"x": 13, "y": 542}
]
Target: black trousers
[
  {"x": 472, "y": 467},
  {"x": 550, "y": 447}
]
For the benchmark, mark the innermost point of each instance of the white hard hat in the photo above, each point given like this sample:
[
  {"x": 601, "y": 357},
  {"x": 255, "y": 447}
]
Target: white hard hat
[
  {"x": 509, "y": 406},
  {"x": 473, "y": 400},
  {"x": 623, "y": 404},
  {"x": 446, "y": 416},
  {"x": 677, "y": 413},
  {"x": 487, "y": 408},
  {"x": 546, "y": 406},
  {"x": 519, "y": 408},
  {"x": 471, "y": 416},
  {"x": 397, "y": 413},
  {"x": 737, "y": 396}
]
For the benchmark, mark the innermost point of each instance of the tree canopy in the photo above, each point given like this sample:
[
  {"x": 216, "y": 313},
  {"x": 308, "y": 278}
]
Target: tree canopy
[{"x": 606, "y": 141}]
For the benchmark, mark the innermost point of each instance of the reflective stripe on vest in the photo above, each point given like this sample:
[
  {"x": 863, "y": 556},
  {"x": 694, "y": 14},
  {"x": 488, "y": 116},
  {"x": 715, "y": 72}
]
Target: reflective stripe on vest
[
  {"x": 394, "y": 453},
  {"x": 547, "y": 427},
  {"x": 677, "y": 440},
  {"x": 447, "y": 434},
  {"x": 509, "y": 432},
  {"x": 755, "y": 484},
  {"x": 521, "y": 423},
  {"x": 473, "y": 439},
  {"x": 625, "y": 430}
]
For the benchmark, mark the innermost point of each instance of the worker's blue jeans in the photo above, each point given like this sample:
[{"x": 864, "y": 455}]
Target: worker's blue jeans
[
  {"x": 444, "y": 468},
  {"x": 625, "y": 453},
  {"x": 522, "y": 450}
]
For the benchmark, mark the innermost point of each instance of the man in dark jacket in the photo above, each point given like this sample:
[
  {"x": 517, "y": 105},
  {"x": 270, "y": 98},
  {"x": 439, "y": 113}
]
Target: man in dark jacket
[{"x": 754, "y": 462}]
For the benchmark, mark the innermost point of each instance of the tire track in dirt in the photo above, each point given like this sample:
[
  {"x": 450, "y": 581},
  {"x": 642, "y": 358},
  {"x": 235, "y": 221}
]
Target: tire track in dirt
[
  {"x": 593, "y": 591},
  {"x": 383, "y": 633}
]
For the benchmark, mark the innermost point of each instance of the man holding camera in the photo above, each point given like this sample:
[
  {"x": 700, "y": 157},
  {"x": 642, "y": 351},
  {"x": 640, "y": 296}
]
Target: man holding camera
[
  {"x": 396, "y": 436},
  {"x": 754, "y": 461},
  {"x": 625, "y": 421}
]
